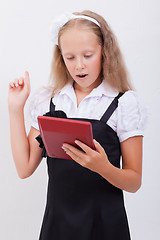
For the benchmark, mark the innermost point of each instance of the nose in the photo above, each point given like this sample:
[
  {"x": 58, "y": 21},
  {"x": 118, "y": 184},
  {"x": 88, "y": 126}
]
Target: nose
[{"x": 80, "y": 64}]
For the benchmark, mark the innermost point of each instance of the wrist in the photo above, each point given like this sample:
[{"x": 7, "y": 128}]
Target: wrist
[
  {"x": 106, "y": 170},
  {"x": 16, "y": 110}
]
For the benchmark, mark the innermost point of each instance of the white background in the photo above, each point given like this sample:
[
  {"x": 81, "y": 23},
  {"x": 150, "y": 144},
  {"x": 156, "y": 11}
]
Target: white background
[{"x": 25, "y": 45}]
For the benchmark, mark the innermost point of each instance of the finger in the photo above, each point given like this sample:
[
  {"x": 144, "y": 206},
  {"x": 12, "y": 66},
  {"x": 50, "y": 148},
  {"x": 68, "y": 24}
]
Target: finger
[
  {"x": 27, "y": 79},
  {"x": 85, "y": 148},
  {"x": 73, "y": 149},
  {"x": 11, "y": 85},
  {"x": 21, "y": 81},
  {"x": 76, "y": 158},
  {"x": 70, "y": 153},
  {"x": 98, "y": 147},
  {"x": 16, "y": 82}
]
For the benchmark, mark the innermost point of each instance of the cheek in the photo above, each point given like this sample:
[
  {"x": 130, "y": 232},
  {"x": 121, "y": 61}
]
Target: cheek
[
  {"x": 68, "y": 66},
  {"x": 99, "y": 63},
  {"x": 96, "y": 64}
]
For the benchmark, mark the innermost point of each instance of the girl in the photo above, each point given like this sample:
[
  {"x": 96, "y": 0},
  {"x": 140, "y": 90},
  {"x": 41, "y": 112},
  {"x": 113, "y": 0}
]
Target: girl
[{"x": 85, "y": 197}]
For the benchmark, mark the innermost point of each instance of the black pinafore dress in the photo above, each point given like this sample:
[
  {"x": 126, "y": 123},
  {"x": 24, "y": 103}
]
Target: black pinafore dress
[{"x": 81, "y": 204}]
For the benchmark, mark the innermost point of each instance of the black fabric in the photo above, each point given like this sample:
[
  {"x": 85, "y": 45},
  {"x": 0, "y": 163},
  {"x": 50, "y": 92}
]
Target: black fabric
[
  {"x": 81, "y": 204},
  {"x": 51, "y": 113},
  {"x": 111, "y": 108}
]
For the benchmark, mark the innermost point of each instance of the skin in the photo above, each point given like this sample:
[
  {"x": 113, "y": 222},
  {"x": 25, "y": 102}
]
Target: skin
[
  {"x": 25, "y": 150},
  {"x": 82, "y": 54}
]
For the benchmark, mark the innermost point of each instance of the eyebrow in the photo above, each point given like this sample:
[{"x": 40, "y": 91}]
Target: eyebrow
[{"x": 87, "y": 50}]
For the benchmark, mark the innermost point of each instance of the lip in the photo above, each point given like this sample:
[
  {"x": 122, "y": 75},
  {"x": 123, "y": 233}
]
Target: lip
[{"x": 81, "y": 78}]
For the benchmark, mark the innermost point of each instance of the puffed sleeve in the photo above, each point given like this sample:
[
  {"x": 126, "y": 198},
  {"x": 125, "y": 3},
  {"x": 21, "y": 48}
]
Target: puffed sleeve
[
  {"x": 132, "y": 116},
  {"x": 39, "y": 106}
]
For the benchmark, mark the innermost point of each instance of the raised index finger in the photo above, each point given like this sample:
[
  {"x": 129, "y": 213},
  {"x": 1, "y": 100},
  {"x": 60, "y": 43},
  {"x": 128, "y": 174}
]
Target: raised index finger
[
  {"x": 27, "y": 80},
  {"x": 26, "y": 75}
]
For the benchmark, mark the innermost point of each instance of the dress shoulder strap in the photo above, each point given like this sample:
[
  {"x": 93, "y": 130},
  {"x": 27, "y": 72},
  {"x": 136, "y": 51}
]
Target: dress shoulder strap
[
  {"x": 112, "y": 107},
  {"x": 52, "y": 107}
]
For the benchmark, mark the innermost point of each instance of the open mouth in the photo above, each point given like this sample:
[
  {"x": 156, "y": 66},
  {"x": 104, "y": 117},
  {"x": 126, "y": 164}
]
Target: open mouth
[{"x": 82, "y": 75}]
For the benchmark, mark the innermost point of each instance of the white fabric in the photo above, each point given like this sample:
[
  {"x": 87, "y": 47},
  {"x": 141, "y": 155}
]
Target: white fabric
[
  {"x": 128, "y": 120},
  {"x": 58, "y": 22}
]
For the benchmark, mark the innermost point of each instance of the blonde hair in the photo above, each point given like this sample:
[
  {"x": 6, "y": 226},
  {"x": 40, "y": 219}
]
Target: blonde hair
[{"x": 113, "y": 67}]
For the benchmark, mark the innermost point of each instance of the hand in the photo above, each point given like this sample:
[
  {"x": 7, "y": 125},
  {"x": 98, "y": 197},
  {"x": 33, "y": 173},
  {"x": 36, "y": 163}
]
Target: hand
[
  {"x": 95, "y": 160},
  {"x": 19, "y": 91}
]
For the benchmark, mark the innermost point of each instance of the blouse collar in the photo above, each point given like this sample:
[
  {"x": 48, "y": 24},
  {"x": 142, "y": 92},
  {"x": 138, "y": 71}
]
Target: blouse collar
[{"x": 103, "y": 89}]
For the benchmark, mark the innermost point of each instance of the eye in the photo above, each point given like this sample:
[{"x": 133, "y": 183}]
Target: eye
[
  {"x": 87, "y": 56},
  {"x": 70, "y": 58}
]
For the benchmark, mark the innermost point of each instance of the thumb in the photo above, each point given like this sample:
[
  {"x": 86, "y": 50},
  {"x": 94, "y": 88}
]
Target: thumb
[{"x": 98, "y": 147}]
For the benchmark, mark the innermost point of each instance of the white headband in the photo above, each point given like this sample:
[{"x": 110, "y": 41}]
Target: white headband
[{"x": 57, "y": 23}]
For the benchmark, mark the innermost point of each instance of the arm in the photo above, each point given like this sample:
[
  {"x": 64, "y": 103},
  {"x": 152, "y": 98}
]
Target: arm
[
  {"x": 25, "y": 149},
  {"x": 128, "y": 178}
]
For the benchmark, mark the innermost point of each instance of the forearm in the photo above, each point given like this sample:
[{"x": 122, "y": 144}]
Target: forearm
[
  {"x": 19, "y": 141},
  {"x": 128, "y": 178},
  {"x": 125, "y": 179},
  {"x": 25, "y": 149}
]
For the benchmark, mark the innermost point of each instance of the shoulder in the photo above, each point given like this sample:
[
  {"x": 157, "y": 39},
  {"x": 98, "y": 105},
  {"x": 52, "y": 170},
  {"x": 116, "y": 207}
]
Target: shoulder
[
  {"x": 128, "y": 97},
  {"x": 40, "y": 99},
  {"x": 41, "y": 95},
  {"x": 132, "y": 115},
  {"x": 131, "y": 103}
]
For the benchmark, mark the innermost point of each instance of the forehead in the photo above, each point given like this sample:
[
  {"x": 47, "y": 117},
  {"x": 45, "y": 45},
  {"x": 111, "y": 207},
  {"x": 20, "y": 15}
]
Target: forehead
[{"x": 78, "y": 38}]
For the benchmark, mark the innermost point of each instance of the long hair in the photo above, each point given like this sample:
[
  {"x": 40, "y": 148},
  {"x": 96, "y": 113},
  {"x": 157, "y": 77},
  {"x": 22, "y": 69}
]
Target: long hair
[{"x": 113, "y": 67}]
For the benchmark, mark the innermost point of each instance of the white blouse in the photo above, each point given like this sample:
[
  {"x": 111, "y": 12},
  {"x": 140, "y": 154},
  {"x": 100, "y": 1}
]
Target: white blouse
[{"x": 128, "y": 120}]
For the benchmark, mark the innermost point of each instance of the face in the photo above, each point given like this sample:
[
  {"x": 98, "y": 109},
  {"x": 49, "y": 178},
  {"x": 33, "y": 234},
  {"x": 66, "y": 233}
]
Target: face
[{"x": 83, "y": 57}]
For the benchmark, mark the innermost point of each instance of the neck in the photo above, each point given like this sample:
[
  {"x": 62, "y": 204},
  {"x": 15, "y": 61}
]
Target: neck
[
  {"x": 86, "y": 90},
  {"x": 78, "y": 88}
]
